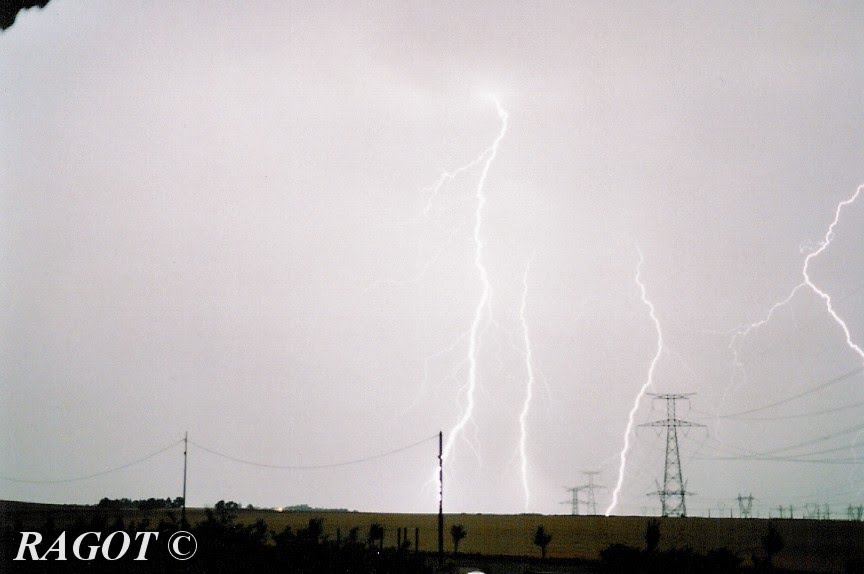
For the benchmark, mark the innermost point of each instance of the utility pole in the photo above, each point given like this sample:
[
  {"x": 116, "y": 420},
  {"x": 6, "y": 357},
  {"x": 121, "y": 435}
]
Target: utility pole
[
  {"x": 441, "y": 497},
  {"x": 745, "y": 510},
  {"x": 672, "y": 495},
  {"x": 591, "y": 503},
  {"x": 183, "y": 522}
]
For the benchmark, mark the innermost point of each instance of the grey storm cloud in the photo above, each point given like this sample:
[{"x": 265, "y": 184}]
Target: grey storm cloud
[{"x": 219, "y": 219}]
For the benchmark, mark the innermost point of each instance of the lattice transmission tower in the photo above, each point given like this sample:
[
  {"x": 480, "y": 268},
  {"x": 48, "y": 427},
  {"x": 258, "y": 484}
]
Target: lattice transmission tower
[
  {"x": 673, "y": 494},
  {"x": 745, "y": 506}
]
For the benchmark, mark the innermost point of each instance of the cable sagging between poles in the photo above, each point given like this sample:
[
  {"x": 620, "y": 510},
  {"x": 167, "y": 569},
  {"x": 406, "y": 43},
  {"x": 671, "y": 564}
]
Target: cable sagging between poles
[
  {"x": 95, "y": 474},
  {"x": 313, "y": 466}
]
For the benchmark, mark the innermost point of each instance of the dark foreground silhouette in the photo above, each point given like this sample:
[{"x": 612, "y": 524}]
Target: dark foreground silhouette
[{"x": 224, "y": 546}]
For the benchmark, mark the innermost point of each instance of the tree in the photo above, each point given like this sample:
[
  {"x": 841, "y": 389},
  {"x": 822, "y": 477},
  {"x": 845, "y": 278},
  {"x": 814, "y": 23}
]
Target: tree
[
  {"x": 772, "y": 543},
  {"x": 458, "y": 532},
  {"x": 652, "y": 535},
  {"x": 313, "y": 532},
  {"x": 226, "y": 511},
  {"x": 542, "y": 539},
  {"x": 376, "y": 532}
]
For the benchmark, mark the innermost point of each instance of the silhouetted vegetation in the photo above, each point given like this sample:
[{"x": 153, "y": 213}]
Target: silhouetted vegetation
[
  {"x": 148, "y": 504},
  {"x": 307, "y": 508},
  {"x": 10, "y": 539},
  {"x": 652, "y": 535},
  {"x": 457, "y": 532},
  {"x": 542, "y": 539},
  {"x": 622, "y": 558},
  {"x": 230, "y": 539},
  {"x": 224, "y": 545},
  {"x": 376, "y": 534},
  {"x": 9, "y": 10},
  {"x": 772, "y": 543},
  {"x": 619, "y": 558}
]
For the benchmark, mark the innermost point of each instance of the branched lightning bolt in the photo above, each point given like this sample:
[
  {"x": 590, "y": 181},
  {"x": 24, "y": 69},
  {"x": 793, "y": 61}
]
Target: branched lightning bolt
[
  {"x": 433, "y": 192},
  {"x": 648, "y": 382},
  {"x": 487, "y": 157},
  {"x": 529, "y": 389},
  {"x": 829, "y": 236},
  {"x": 807, "y": 282},
  {"x": 743, "y": 331}
]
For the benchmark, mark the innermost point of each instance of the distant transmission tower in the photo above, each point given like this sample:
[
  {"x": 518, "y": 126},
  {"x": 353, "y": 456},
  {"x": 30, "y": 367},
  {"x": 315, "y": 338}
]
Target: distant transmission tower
[
  {"x": 590, "y": 487},
  {"x": 745, "y": 506},
  {"x": 574, "y": 500},
  {"x": 672, "y": 495}
]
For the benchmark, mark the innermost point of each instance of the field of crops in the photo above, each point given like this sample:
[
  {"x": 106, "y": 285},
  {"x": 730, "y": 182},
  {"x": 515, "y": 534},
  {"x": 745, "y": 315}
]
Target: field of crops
[{"x": 810, "y": 545}]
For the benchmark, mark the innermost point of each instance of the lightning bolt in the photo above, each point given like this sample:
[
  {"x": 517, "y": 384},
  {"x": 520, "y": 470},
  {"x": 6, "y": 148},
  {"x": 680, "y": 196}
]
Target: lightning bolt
[
  {"x": 481, "y": 310},
  {"x": 529, "y": 389},
  {"x": 806, "y": 283},
  {"x": 742, "y": 332},
  {"x": 648, "y": 382},
  {"x": 829, "y": 236}
]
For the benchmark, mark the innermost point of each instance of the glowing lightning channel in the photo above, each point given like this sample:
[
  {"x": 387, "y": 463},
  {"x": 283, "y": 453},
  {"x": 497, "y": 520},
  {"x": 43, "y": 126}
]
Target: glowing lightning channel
[
  {"x": 742, "y": 332},
  {"x": 482, "y": 304},
  {"x": 529, "y": 389},
  {"x": 648, "y": 382},
  {"x": 808, "y": 283},
  {"x": 829, "y": 236}
]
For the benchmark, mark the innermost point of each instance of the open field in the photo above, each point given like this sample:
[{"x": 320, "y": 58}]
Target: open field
[{"x": 810, "y": 545}]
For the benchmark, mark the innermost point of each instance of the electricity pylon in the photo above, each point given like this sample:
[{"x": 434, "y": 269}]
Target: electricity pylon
[
  {"x": 590, "y": 487},
  {"x": 672, "y": 495},
  {"x": 745, "y": 506},
  {"x": 574, "y": 500}
]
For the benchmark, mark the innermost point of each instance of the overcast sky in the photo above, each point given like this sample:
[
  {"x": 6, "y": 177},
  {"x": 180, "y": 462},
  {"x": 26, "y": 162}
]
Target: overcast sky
[{"x": 220, "y": 219}]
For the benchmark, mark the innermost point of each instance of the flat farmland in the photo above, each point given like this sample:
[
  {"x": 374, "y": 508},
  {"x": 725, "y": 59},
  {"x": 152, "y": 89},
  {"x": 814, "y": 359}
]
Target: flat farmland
[{"x": 809, "y": 545}]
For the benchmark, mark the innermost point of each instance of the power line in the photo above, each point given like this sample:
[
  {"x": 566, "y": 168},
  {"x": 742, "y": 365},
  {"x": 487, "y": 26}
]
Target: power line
[
  {"x": 823, "y": 438},
  {"x": 811, "y": 453},
  {"x": 313, "y": 466},
  {"x": 832, "y": 494},
  {"x": 809, "y": 391},
  {"x": 802, "y": 415},
  {"x": 95, "y": 474},
  {"x": 769, "y": 455},
  {"x": 800, "y": 460},
  {"x": 216, "y": 453},
  {"x": 790, "y": 458}
]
